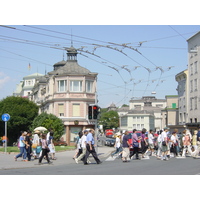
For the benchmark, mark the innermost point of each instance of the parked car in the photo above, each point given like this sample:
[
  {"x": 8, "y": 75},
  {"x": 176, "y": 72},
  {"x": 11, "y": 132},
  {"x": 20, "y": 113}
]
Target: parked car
[
  {"x": 109, "y": 133},
  {"x": 110, "y": 142},
  {"x": 60, "y": 143}
]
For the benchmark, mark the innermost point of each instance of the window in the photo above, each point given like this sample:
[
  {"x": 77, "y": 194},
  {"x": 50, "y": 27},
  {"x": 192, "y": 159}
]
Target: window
[
  {"x": 76, "y": 110},
  {"x": 191, "y": 69},
  {"x": 134, "y": 126},
  {"x": 191, "y": 86},
  {"x": 191, "y": 106},
  {"x": 75, "y": 86},
  {"x": 62, "y": 86},
  {"x": 195, "y": 84},
  {"x": 29, "y": 82},
  {"x": 89, "y": 85},
  {"x": 124, "y": 121},
  {"x": 61, "y": 110},
  {"x": 195, "y": 67},
  {"x": 195, "y": 103}
]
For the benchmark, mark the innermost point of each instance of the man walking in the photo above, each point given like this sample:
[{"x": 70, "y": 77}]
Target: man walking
[
  {"x": 90, "y": 148},
  {"x": 165, "y": 144}
]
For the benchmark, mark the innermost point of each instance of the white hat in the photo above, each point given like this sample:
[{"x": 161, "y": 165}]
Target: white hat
[{"x": 118, "y": 133}]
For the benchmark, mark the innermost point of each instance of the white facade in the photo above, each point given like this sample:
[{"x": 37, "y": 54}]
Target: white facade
[
  {"x": 194, "y": 78},
  {"x": 182, "y": 89},
  {"x": 24, "y": 88}
]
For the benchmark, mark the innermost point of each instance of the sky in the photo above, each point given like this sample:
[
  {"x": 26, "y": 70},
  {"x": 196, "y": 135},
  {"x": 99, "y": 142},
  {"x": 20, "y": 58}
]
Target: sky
[{"x": 131, "y": 60}]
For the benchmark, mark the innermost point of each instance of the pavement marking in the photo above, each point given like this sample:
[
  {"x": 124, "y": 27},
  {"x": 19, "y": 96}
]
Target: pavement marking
[{"x": 110, "y": 158}]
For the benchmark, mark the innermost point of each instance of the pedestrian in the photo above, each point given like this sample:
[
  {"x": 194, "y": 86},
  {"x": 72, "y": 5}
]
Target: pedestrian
[
  {"x": 186, "y": 143},
  {"x": 51, "y": 145},
  {"x": 22, "y": 147},
  {"x": 80, "y": 134},
  {"x": 28, "y": 145},
  {"x": 83, "y": 146},
  {"x": 136, "y": 144},
  {"x": 159, "y": 145},
  {"x": 90, "y": 148},
  {"x": 194, "y": 140},
  {"x": 36, "y": 144},
  {"x": 45, "y": 150},
  {"x": 174, "y": 143},
  {"x": 125, "y": 146},
  {"x": 117, "y": 144},
  {"x": 151, "y": 142},
  {"x": 77, "y": 147},
  {"x": 165, "y": 144},
  {"x": 144, "y": 142}
]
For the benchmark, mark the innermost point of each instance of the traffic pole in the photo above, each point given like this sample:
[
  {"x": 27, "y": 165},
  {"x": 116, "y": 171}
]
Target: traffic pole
[{"x": 5, "y": 137}]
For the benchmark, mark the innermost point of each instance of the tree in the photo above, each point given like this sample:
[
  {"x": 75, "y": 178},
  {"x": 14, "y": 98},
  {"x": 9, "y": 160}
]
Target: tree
[
  {"x": 22, "y": 112},
  {"x": 49, "y": 121},
  {"x": 109, "y": 119}
]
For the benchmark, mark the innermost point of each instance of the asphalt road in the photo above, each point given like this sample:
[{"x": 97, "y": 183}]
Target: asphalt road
[{"x": 152, "y": 166}]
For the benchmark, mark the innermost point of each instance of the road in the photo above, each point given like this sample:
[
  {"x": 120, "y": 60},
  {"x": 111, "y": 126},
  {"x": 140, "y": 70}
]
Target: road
[{"x": 110, "y": 166}]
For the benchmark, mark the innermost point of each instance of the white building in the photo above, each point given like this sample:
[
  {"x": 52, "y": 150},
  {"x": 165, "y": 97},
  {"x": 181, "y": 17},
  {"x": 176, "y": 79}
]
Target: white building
[
  {"x": 24, "y": 88},
  {"x": 193, "y": 95}
]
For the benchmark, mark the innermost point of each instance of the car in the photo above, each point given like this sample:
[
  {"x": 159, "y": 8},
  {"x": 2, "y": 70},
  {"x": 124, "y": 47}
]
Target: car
[
  {"x": 110, "y": 142},
  {"x": 60, "y": 143},
  {"x": 109, "y": 133}
]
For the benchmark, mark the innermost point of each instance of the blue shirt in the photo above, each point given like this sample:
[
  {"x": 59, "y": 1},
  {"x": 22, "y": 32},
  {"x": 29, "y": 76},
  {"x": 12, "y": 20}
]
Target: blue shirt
[{"x": 90, "y": 138}]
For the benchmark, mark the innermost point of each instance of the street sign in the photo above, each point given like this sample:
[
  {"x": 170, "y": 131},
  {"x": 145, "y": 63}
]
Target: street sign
[{"x": 5, "y": 117}]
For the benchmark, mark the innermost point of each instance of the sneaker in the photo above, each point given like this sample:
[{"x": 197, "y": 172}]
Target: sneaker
[
  {"x": 50, "y": 162},
  {"x": 15, "y": 158},
  {"x": 76, "y": 160}
]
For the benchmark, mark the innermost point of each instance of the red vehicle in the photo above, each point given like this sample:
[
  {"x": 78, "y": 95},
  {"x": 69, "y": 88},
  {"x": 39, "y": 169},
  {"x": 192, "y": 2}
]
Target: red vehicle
[{"x": 109, "y": 133}]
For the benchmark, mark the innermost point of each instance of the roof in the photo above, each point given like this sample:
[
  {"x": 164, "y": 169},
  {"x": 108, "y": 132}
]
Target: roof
[
  {"x": 35, "y": 75},
  {"x": 70, "y": 68},
  {"x": 193, "y": 36}
]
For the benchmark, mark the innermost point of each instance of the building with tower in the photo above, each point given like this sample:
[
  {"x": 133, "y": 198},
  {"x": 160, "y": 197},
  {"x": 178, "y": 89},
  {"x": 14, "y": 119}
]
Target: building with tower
[{"x": 66, "y": 92}]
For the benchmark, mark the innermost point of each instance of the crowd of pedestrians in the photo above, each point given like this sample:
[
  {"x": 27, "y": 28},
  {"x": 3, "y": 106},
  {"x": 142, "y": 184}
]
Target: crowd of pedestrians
[
  {"x": 38, "y": 146},
  {"x": 161, "y": 144}
]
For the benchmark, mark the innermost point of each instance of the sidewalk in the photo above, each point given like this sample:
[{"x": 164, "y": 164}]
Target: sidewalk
[{"x": 66, "y": 157}]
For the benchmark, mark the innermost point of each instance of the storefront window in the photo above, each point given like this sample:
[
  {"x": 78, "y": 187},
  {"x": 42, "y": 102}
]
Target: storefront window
[{"x": 74, "y": 133}]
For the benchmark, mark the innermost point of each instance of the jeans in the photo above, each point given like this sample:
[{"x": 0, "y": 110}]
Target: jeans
[
  {"x": 28, "y": 152},
  {"x": 118, "y": 149},
  {"x": 22, "y": 153}
]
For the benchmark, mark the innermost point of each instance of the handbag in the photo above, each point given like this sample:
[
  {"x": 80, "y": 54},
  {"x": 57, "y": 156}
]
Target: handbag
[
  {"x": 34, "y": 146},
  {"x": 136, "y": 144},
  {"x": 164, "y": 143}
]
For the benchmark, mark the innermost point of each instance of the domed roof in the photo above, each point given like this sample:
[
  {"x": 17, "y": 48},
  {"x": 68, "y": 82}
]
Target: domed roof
[
  {"x": 61, "y": 63},
  {"x": 70, "y": 68}
]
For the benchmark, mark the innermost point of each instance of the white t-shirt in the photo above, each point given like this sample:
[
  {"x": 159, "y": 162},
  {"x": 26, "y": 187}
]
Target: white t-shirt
[
  {"x": 150, "y": 138},
  {"x": 173, "y": 139},
  {"x": 163, "y": 135},
  {"x": 83, "y": 140},
  {"x": 117, "y": 142}
]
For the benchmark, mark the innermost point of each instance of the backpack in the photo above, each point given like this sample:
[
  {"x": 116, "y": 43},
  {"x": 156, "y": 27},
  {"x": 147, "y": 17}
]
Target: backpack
[{"x": 198, "y": 135}]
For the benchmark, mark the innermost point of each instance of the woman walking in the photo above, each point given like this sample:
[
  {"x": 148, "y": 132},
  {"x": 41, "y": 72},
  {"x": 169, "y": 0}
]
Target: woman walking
[
  {"x": 22, "y": 147},
  {"x": 45, "y": 150}
]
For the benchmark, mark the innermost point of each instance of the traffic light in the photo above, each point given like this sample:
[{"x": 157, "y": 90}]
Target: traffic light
[
  {"x": 95, "y": 112},
  {"x": 89, "y": 112}
]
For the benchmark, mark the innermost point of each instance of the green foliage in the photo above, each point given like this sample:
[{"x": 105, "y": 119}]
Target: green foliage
[
  {"x": 22, "y": 112},
  {"x": 109, "y": 120},
  {"x": 49, "y": 121}
]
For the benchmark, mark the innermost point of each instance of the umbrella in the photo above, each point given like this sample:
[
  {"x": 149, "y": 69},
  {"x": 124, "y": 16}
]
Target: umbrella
[{"x": 40, "y": 128}]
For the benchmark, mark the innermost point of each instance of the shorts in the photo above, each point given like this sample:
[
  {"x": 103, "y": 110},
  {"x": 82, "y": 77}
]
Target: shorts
[
  {"x": 125, "y": 152},
  {"x": 151, "y": 146},
  {"x": 165, "y": 148}
]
